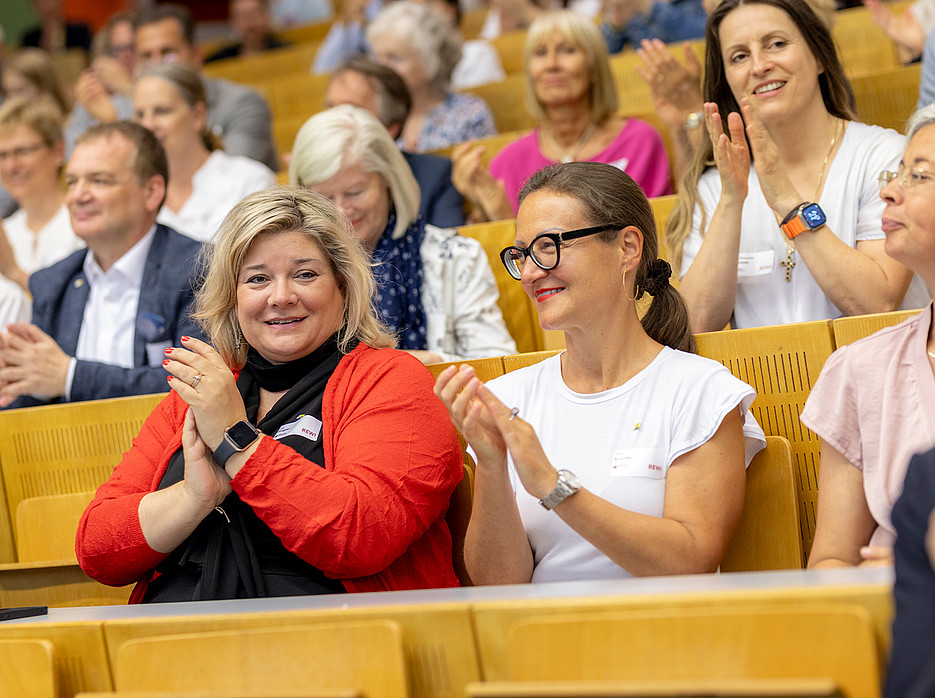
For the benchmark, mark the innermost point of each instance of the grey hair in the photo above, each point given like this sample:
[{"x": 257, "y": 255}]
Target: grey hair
[
  {"x": 922, "y": 117},
  {"x": 348, "y": 135},
  {"x": 427, "y": 31}
]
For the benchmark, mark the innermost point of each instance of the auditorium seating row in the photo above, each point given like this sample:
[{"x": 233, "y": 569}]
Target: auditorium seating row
[
  {"x": 53, "y": 457},
  {"x": 773, "y": 634}
]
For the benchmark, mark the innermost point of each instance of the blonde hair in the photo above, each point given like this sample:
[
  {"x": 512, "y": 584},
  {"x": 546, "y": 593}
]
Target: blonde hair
[
  {"x": 40, "y": 115},
  {"x": 285, "y": 210},
  {"x": 583, "y": 33},
  {"x": 346, "y": 135}
]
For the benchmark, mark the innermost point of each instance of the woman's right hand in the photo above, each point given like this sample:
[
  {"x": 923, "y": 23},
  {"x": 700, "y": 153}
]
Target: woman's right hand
[
  {"x": 731, "y": 153},
  {"x": 457, "y": 388},
  {"x": 205, "y": 484},
  {"x": 477, "y": 185},
  {"x": 675, "y": 88}
]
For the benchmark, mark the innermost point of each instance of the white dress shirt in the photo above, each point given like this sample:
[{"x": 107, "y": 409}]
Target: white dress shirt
[{"x": 109, "y": 323}]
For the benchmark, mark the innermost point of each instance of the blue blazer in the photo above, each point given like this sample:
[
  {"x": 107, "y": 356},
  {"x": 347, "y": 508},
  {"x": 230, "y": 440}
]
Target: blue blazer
[
  {"x": 60, "y": 293},
  {"x": 441, "y": 204},
  {"x": 911, "y": 673}
]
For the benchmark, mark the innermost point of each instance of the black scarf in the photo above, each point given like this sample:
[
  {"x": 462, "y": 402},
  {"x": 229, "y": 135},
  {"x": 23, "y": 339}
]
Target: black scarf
[{"x": 233, "y": 554}]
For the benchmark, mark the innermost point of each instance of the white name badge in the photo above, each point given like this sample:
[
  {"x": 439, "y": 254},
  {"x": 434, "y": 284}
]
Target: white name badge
[
  {"x": 306, "y": 426},
  {"x": 756, "y": 263},
  {"x": 639, "y": 462}
]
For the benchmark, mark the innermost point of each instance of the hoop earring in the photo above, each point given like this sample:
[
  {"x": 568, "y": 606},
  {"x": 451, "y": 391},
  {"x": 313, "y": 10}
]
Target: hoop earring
[
  {"x": 636, "y": 291},
  {"x": 240, "y": 339}
]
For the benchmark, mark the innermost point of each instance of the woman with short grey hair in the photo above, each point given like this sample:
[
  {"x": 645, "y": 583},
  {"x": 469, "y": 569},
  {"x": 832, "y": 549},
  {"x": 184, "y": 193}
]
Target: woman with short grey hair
[
  {"x": 434, "y": 287},
  {"x": 424, "y": 48}
]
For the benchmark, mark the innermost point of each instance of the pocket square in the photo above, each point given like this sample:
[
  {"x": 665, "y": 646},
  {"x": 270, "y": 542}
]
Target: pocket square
[{"x": 151, "y": 327}]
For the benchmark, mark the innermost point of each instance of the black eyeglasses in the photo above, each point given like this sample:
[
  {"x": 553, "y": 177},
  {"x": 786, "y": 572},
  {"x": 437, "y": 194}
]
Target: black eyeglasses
[{"x": 545, "y": 249}]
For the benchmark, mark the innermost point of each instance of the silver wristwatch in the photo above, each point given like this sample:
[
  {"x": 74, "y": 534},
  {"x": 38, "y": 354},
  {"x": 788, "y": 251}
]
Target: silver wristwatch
[{"x": 566, "y": 486}]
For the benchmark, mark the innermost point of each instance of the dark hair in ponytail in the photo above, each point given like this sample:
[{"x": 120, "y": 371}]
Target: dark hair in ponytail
[{"x": 610, "y": 197}]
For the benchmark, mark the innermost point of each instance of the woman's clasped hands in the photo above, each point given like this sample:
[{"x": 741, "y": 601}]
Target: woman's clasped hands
[
  {"x": 202, "y": 379},
  {"x": 492, "y": 429}
]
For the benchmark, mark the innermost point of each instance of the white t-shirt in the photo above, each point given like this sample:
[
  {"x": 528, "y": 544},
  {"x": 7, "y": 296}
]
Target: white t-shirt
[
  {"x": 217, "y": 187},
  {"x": 479, "y": 65},
  {"x": 619, "y": 443},
  {"x": 54, "y": 241},
  {"x": 851, "y": 201},
  {"x": 15, "y": 305}
]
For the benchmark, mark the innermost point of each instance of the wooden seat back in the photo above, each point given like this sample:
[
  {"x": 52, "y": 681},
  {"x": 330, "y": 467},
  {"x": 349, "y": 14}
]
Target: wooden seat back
[
  {"x": 365, "y": 656},
  {"x": 46, "y": 526},
  {"x": 781, "y": 363},
  {"x": 59, "y": 449},
  {"x": 768, "y": 536},
  {"x": 720, "y": 642}
]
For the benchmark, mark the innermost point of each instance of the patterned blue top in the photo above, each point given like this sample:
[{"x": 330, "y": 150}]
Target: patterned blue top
[{"x": 461, "y": 117}]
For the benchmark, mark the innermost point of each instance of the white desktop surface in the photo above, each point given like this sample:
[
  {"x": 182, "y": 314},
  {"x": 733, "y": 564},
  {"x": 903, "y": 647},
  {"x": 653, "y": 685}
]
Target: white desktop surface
[{"x": 687, "y": 584}]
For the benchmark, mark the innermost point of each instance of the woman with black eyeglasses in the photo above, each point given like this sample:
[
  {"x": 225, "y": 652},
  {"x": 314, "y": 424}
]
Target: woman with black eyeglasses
[{"x": 624, "y": 455}]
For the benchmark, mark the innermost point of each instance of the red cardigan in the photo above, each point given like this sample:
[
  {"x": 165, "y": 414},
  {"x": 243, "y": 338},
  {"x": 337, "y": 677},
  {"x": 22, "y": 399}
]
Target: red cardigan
[{"x": 373, "y": 517}]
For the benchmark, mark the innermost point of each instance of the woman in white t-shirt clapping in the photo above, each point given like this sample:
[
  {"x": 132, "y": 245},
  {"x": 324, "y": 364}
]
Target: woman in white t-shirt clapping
[
  {"x": 786, "y": 228},
  {"x": 625, "y": 454}
]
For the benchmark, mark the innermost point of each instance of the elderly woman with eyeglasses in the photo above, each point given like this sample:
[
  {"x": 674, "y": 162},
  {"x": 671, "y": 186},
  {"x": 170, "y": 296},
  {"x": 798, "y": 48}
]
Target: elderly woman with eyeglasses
[
  {"x": 624, "y": 455},
  {"x": 873, "y": 402}
]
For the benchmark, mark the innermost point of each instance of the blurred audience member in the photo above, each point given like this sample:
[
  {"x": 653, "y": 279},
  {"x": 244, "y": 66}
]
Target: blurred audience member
[
  {"x": 236, "y": 113},
  {"x": 628, "y": 22},
  {"x": 514, "y": 15},
  {"x": 381, "y": 91},
  {"x": 29, "y": 74},
  {"x": 346, "y": 37},
  {"x": 291, "y": 13},
  {"x": 204, "y": 181},
  {"x": 32, "y": 154},
  {"x": 252, "y": 25},
  {"x": 424, "y": 48},
  {"x": 102, "y": 93},
  {"x": 907, "y": 29},
  {"x": 54, "y": 34}
]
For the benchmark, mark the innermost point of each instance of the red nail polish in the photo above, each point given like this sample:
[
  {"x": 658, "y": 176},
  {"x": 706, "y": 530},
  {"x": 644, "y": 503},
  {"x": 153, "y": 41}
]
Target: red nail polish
[
  {"x": 185, "y": 339},
  {"x": 168, "y": 350},
  {"x": 165, "y": 363},
  {"x": 169, "y": 379}
]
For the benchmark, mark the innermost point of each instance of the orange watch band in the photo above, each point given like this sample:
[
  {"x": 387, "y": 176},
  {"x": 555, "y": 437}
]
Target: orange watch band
[{"x": 794, "y": 227}]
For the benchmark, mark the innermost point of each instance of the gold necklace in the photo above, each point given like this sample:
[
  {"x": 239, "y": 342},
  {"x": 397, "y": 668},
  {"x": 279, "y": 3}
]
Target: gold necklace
[
  {"x": 571, "y": 155},
  {"x": 789, "y": 264}
]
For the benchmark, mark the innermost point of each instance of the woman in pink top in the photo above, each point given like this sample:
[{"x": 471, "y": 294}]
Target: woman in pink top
[
  {"x": 873, "y": 403},
  {"x": 571, "y": 92}
]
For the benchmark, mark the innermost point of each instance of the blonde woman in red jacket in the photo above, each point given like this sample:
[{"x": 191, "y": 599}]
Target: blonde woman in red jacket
[{"x": 300, "y": 454}]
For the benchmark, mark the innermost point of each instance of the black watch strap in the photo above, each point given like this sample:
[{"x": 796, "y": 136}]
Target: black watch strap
[{"x": 235, "y": 440}]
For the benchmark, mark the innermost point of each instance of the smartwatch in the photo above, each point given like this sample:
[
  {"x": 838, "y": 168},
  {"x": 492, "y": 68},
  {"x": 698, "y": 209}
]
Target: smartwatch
[
  {"x": 566, "y": 486},
  {"x": 807, "y": 216},
  {"x": 236, "y": 439}
]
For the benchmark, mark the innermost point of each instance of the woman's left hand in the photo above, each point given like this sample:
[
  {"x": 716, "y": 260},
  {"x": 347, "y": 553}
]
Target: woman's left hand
[
  {"x": 535, "y": 471},
  {"x": 214, "y": 399},
  {"x": 777, "y": 187}
]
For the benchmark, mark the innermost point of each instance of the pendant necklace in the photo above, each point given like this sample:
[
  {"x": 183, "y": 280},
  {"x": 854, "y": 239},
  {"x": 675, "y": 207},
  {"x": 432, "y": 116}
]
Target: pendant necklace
[
  {"x": 789, "y": 263},
  {"x": 571, "y": 155}
]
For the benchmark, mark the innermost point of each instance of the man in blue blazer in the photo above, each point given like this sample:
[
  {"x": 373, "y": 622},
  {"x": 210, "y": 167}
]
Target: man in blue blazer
[
  {"x": 381, "y": 91},
  {"x": 103, "y": 317}
]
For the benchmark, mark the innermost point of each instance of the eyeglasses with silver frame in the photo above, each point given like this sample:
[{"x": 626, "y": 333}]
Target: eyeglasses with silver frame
[
  {"x": 545, "y": 249},
  {"x": 906, "y": 178}
]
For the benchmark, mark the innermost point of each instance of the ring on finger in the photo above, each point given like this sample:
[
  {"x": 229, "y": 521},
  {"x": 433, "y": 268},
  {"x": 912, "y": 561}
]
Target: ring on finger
[
  {"x": 513, "y": 413},
  {"x": 197, "y": 380}
]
